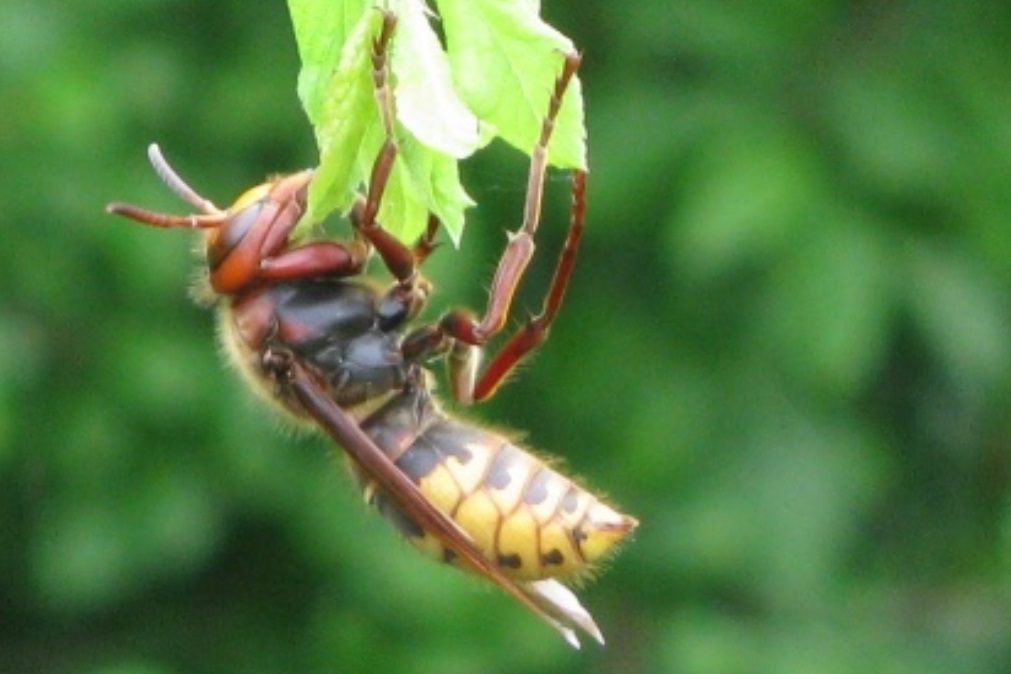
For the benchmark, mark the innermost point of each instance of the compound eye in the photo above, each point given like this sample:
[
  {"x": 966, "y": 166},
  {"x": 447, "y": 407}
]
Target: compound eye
[{"x": 234, "y": 230}]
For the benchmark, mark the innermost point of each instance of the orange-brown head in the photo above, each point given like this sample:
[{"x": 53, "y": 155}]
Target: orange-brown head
[{"x": 254, "y": 227}]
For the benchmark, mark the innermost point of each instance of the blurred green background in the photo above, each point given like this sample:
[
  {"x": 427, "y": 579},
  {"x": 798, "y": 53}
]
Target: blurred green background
[{"x": 787, "y": 349}]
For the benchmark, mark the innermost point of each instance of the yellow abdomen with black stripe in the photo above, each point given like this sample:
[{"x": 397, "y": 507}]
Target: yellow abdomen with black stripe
[{"x": 527, "y": 518}]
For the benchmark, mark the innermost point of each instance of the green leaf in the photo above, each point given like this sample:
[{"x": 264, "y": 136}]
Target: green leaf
[
  {"x": 505, "y": 60},
  {"x": 427, "y": 103},
  {"x": 321, "y": 28},
  {"x": 447, "y": 105},
  {"x": 341, "y": 115}
]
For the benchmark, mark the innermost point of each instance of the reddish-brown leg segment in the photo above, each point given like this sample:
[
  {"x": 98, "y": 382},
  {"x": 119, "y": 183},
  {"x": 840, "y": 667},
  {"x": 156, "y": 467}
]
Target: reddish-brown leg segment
[
  {"x": 459, "y": 333},
  {"x": 520, "y": 248},
  {"x": 318, "y": 258},
  {"x": 426, "y": 242},
  {"x": 534, "y": 332},
  {"x": 411, "y": 291},
  {"x": 398, "y": 258}
]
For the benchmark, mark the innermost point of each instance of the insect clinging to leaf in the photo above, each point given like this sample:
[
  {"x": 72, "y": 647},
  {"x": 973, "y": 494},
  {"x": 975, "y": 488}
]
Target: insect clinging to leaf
[{"x": 314, "y": 337}]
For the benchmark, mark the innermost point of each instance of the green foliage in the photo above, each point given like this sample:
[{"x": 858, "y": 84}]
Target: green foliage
[
  {"x": 493, "y": 78},
  {"x": 786, "y": 349}
]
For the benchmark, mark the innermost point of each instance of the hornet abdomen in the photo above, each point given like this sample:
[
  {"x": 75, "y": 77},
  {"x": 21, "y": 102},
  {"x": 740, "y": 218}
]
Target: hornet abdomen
[{"x": 527, "y": 518}]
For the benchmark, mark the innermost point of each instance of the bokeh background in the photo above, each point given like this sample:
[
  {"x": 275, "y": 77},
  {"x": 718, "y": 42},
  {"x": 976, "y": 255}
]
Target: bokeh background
[{"x": 787, "y": 349}]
